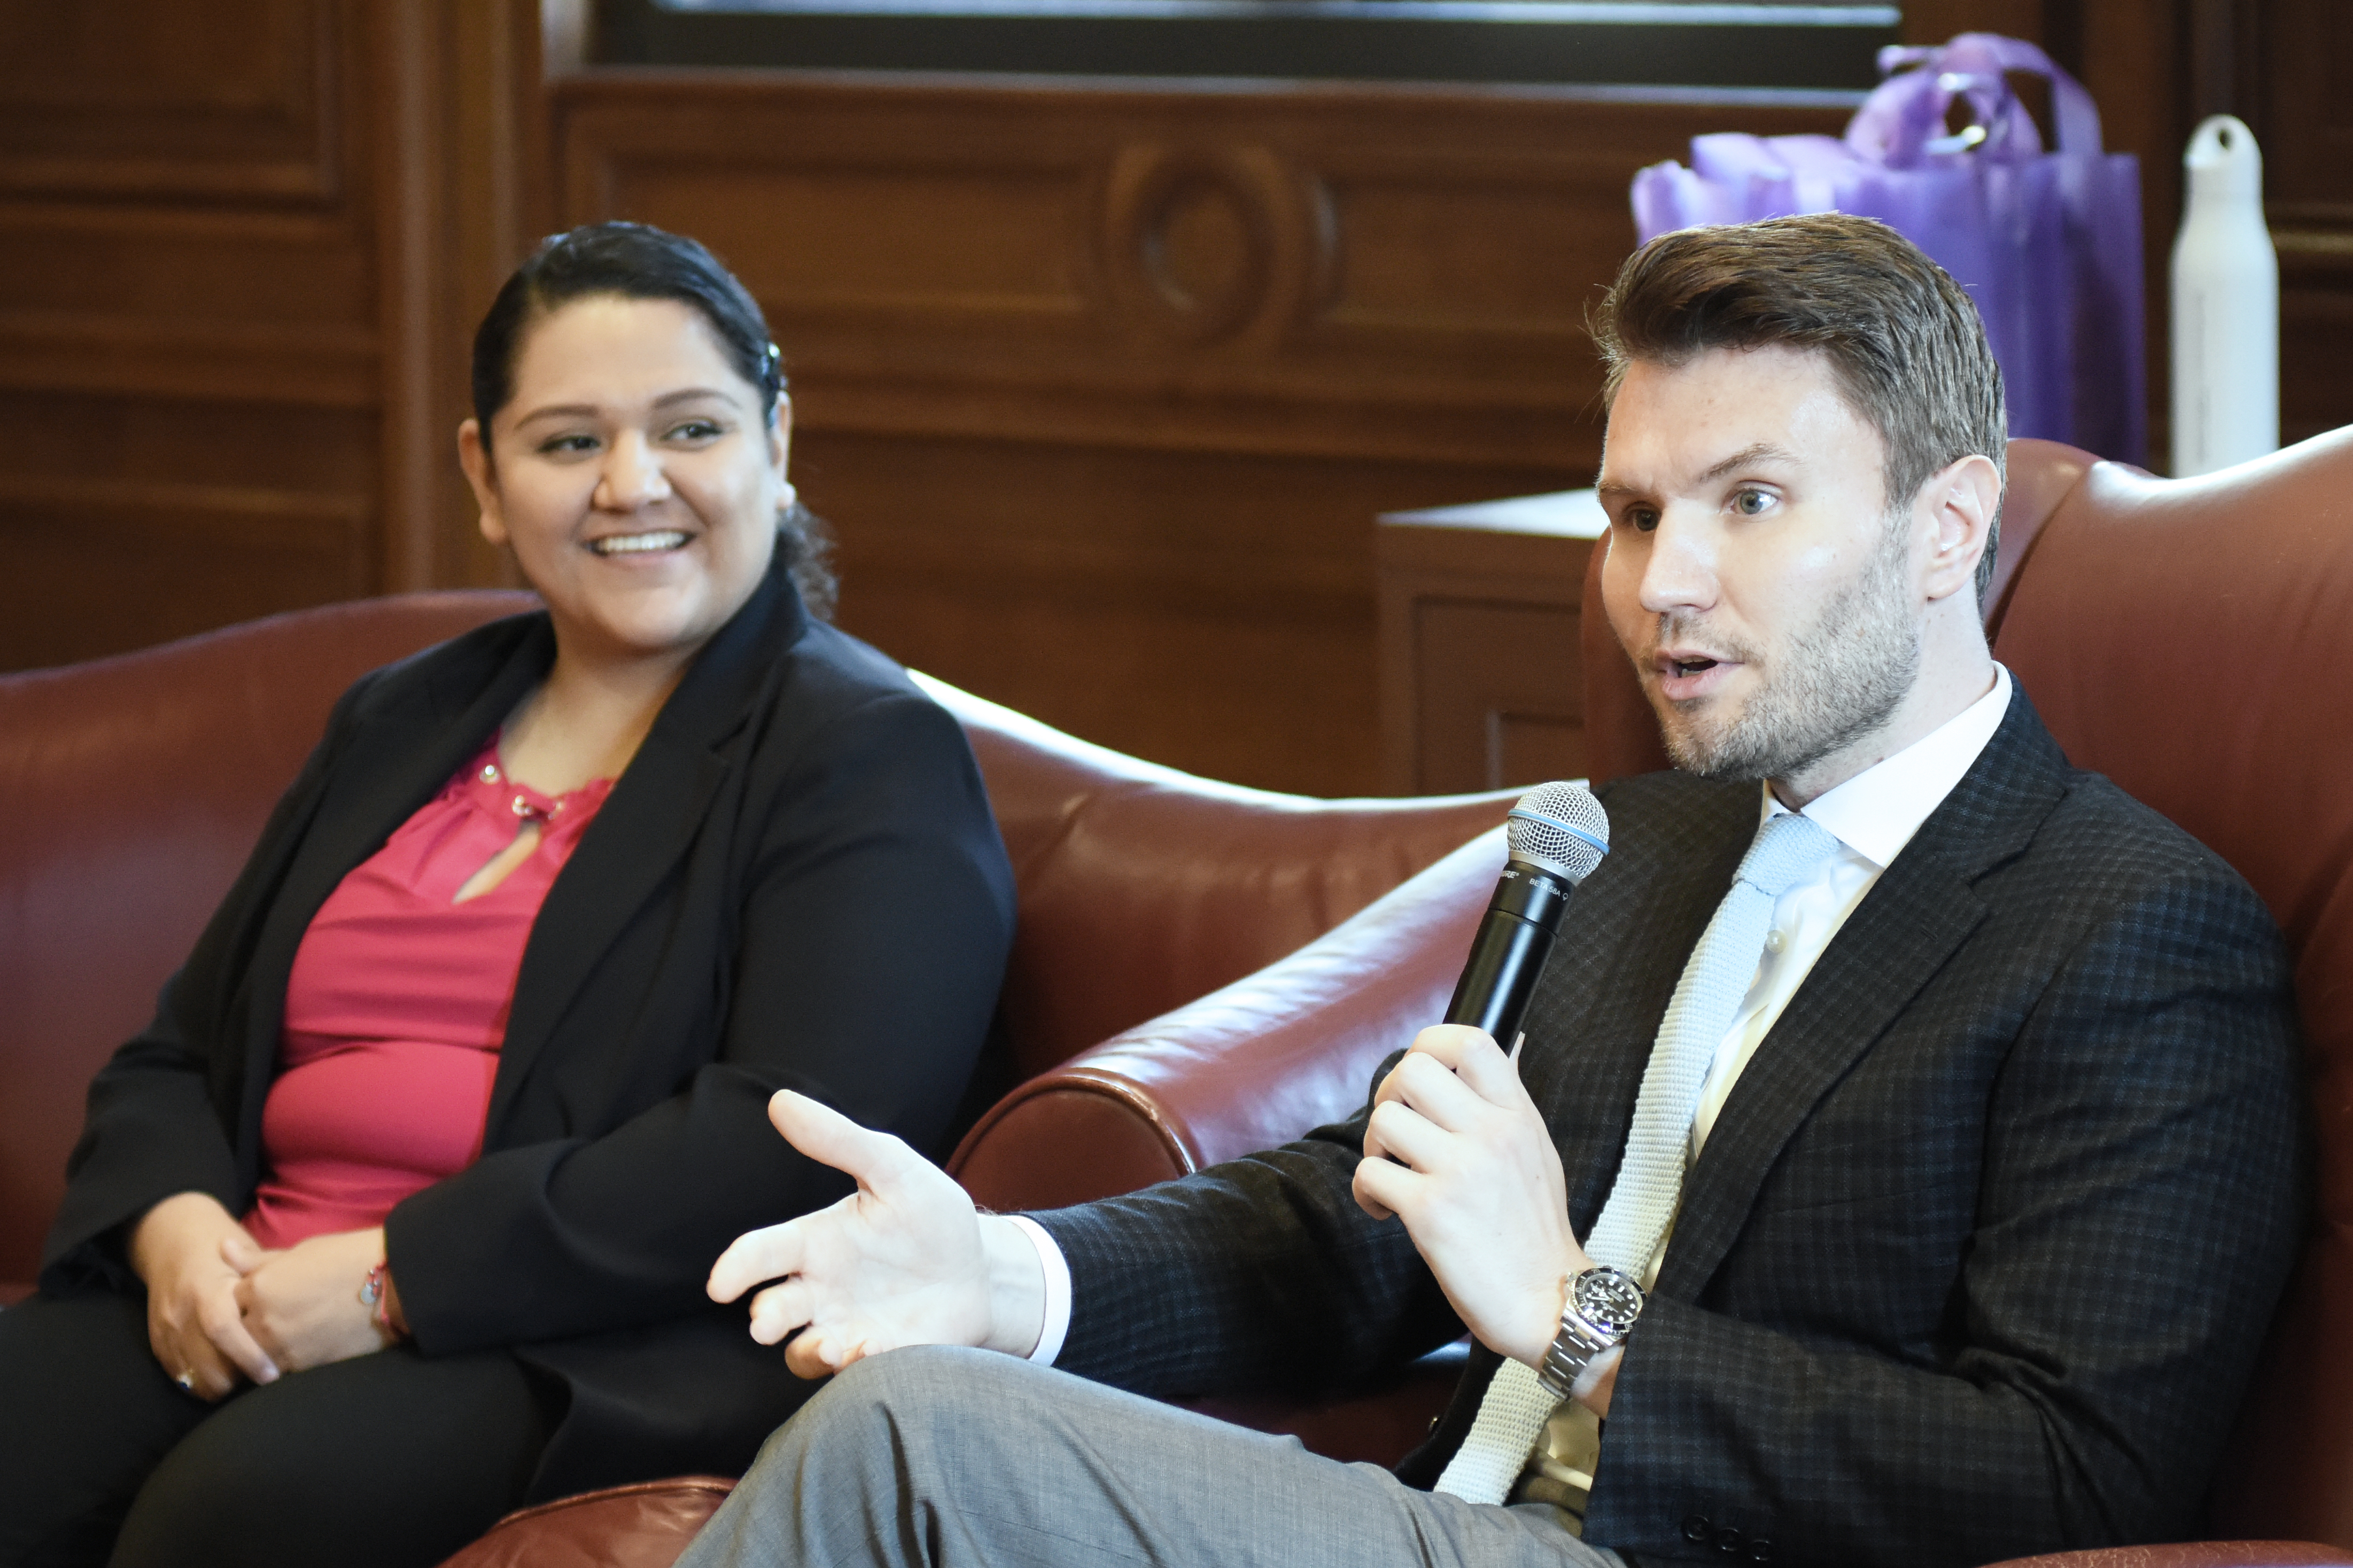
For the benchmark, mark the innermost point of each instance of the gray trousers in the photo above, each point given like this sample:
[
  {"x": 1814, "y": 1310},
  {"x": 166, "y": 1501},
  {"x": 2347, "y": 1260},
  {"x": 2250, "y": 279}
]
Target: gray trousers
[{"x": 961, "y": 1457}]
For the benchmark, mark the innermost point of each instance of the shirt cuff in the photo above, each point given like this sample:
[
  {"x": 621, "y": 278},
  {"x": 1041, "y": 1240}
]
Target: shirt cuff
[{"x": 1058, "y": 1290}]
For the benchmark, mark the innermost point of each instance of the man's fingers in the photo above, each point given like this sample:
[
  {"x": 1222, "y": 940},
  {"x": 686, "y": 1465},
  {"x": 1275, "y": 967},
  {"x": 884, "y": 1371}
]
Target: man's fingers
[
  {"x": 241, "y": 1252},
  {"x": 816, "y": 1355},
  {"x": 1403, "y": 1133},
  {"x": 778, "y": 1310},
  {"x": 1447, "y": 1042},
  {"x": 756, "y": 1255},
  {"x": 1481, "y": 1064},
  {"x": 1439, "y": 1096},
  {"x": 825, "y": 1135},
  {"x": 1440, "y": 1043},
  {"x": 1464, "y": 1054},
  {"x": 1382, "y": 1188}
]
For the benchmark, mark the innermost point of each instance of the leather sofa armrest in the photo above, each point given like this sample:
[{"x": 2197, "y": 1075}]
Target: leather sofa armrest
[
  {"x": 645, "y": 1525},
  {"x": 1250, "y": 1067},
  {"x": 2192, "y": 1554}
]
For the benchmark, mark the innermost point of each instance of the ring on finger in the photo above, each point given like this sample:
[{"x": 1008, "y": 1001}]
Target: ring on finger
[{"x": 188, "y": 1381}]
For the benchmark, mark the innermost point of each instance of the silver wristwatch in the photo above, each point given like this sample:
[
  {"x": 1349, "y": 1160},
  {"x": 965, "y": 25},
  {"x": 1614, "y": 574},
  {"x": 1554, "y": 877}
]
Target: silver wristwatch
[{"x": 1598, "y": 1314}]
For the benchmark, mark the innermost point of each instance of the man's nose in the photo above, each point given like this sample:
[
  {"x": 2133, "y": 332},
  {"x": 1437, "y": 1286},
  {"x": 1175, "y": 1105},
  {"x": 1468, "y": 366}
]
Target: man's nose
[
  {"x": 1679, "y": 572},
  {"x": 632, "y": 476}
]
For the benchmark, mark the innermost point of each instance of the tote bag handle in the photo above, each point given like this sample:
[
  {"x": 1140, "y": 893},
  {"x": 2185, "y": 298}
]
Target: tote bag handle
[{"x": 1901, "y": 124}]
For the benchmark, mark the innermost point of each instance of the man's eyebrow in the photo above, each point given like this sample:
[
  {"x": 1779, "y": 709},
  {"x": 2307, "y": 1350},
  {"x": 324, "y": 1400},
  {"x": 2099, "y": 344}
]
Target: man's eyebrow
[{"x": 1750, "y": 457}]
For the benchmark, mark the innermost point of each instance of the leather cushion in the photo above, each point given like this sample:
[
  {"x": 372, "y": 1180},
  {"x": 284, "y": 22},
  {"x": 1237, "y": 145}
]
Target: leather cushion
[{"x": 643, "y": 1526}]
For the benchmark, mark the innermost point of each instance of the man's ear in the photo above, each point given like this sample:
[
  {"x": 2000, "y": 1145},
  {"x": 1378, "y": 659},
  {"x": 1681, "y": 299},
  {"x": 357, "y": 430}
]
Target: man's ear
[
  {"x": 1959, "y": 505},
  {"x": 474, "y": 457}
]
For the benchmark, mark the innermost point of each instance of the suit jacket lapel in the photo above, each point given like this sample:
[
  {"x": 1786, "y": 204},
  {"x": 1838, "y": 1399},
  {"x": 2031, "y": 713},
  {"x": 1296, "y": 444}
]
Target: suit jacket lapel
[
  {"x": 646, "y": 825},
  {"x": 1919, "y": 911}
]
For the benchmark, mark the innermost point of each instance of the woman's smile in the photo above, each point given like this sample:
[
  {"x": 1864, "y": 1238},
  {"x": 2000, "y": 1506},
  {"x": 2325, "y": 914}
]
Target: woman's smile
[{"x": 659, "y": 540}]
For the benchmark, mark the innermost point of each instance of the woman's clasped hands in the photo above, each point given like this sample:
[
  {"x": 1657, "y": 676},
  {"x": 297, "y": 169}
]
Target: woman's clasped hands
[
  {"x": 305, "y": 1304},
  {"x": 194, "y": 1323},
  {"x": 222, "y": 1308}
]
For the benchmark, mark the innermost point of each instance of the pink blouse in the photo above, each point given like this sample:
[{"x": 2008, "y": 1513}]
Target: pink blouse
[{"x": 398, "y": 1006}]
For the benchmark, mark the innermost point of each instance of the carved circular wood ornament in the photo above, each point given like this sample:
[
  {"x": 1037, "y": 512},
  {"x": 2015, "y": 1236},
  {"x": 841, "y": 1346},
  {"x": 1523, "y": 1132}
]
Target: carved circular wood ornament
[{"x": 1201, "y": 245}]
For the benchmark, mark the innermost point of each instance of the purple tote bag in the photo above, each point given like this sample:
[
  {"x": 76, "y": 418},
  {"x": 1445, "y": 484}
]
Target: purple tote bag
[{"x": 2047, "y": 243}]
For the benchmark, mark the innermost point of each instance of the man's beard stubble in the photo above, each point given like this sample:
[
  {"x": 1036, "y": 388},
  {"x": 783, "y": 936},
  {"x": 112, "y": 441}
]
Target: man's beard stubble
[{"x": 1831, "y": 684}]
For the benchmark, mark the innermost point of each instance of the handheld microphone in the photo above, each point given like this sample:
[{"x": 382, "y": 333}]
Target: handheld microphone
[{"x": 1558, "y": 835}]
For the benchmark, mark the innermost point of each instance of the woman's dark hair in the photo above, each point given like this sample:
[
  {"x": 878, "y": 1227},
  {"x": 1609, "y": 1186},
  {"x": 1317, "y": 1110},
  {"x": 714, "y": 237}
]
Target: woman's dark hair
[{"x": 637, "y": 261}]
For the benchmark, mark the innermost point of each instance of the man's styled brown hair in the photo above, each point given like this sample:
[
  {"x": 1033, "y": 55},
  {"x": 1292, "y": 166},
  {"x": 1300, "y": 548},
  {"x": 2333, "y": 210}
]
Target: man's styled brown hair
[{"x": 1902, "y": 338}]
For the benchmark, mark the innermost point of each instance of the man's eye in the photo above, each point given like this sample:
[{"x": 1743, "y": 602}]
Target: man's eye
[
  {"x": 1642, "y": 519},
  {"x": 1748, "y": 503}
]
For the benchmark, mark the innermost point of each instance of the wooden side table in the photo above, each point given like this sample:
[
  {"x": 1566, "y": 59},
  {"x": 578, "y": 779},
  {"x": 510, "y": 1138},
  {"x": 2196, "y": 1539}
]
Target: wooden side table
[{"x": 1482, "y": 679}]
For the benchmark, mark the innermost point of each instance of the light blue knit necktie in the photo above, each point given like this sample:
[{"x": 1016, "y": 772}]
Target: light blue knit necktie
[{"x": 1714, "y": 982}]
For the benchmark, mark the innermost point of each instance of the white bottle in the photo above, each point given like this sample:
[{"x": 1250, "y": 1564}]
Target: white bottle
[{"x": 2225, "y": 306}]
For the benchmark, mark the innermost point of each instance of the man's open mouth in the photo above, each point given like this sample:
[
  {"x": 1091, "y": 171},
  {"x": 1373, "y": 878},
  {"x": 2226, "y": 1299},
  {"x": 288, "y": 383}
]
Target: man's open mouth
[
  {"x": 639, "y": 544},
  {"x": 1692, "y": 665}
]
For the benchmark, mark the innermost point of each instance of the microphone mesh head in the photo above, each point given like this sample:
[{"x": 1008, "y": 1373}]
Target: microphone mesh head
[{"x": 1561, "y": 828}]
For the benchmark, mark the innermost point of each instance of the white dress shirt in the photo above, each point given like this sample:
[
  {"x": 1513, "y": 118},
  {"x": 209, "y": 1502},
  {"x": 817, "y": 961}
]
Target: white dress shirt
[{"x": 1873, "y": 814}]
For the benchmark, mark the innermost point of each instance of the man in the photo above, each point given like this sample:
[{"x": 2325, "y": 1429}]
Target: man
[{"x": 1901, "y": 1157}]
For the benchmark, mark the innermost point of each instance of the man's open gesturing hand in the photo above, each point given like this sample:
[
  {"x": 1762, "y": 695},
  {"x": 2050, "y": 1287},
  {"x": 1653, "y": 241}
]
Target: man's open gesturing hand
[
  {"x": 904, "y": 1260},
  {"x": 1473, "y": 1174}
]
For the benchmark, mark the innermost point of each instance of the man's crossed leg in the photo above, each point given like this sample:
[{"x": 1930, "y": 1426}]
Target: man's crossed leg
[{"x": 961, "y": 1457}]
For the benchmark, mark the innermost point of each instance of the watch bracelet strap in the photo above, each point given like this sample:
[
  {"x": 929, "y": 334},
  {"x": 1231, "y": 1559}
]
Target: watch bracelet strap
[{"x": 1558, "y": 1360}]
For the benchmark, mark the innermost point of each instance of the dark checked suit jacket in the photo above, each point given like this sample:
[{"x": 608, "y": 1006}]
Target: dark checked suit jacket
[
  {"x": 735, "y": 921},
  {"x": 1975, "y": 1262}
]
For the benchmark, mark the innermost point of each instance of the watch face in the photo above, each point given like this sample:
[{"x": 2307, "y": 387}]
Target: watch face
[{"x": 1609, "y": 1300}]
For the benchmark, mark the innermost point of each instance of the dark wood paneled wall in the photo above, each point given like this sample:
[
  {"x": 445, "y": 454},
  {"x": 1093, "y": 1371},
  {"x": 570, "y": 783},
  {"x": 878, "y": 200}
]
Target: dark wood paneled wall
[
  {"x": 186, "y": 265},
  {"x": 1101, "y": 388},
  {"x": 2297, "y": 92},
  {"x": 232, "y": 251},
  {"x": 1101, "y": 384}
]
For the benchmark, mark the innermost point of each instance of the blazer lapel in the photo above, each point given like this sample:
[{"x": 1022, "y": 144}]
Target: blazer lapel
[
  {"x": 645, "y": 827},
  {"x": 1919, "y": 911}
]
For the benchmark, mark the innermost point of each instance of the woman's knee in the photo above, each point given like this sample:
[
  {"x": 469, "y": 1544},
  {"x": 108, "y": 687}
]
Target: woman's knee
[{"x": 85, "y": 1415}]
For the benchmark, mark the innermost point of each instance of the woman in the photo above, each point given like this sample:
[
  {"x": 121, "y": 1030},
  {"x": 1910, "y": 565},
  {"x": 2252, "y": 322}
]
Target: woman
[{"x": 398, "y": 1214}]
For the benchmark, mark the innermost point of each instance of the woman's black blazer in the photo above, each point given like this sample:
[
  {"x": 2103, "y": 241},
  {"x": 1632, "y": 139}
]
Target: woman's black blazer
[{"x": 797, "y": 882}]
